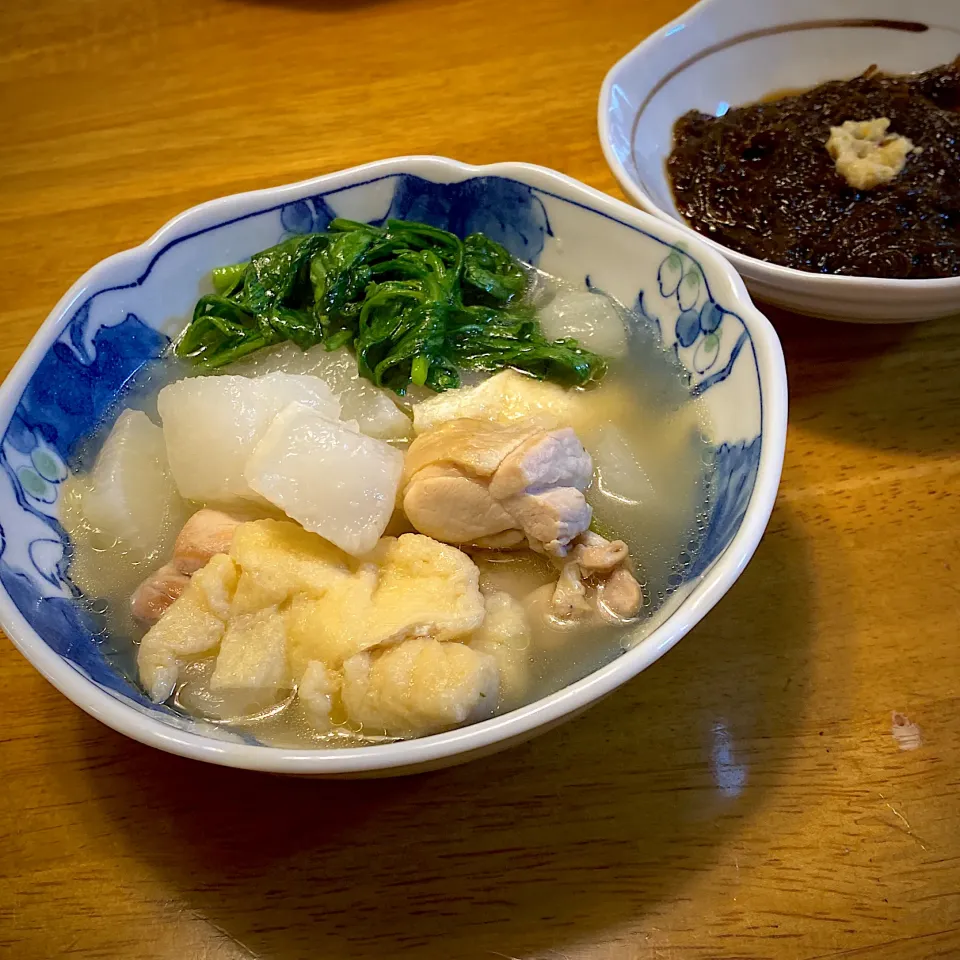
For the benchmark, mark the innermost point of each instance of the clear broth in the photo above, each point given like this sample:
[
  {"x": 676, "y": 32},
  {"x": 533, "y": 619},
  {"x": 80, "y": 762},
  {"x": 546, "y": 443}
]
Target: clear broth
[{"x": 653, "y": 464}]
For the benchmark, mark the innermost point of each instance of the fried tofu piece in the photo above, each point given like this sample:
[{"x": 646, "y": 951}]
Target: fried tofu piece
[
  {"x": 253, "y": 657},
  {"x": 192, "y": 627},
  {"x": 413, "y": 586},
  {"x": 419, "y": 687}
]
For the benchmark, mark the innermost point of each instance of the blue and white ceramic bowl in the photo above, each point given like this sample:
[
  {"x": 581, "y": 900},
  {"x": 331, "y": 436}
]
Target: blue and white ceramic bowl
[{"x": 121, "y": 314}]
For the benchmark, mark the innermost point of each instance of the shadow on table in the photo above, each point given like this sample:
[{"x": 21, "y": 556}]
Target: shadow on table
[
  {"x": 587, "y": 828},
  {"x": 889, "y": 386}
]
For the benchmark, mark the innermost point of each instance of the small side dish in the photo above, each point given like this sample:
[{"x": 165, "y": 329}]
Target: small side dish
[
  {"x": 388, "y": 482},
  {"x": 854, "y": 177}
]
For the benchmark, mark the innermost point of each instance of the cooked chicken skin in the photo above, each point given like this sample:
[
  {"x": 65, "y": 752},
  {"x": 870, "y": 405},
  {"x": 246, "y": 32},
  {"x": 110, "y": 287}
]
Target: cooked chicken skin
[
  {"x": 493, "y": 485},
  {"x": 478, "y": 446},
  {"x": 453, "y": 507}
]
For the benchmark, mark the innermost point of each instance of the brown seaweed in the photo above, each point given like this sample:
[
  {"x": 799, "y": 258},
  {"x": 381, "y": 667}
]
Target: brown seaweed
[{"x": 760, "y": 181}]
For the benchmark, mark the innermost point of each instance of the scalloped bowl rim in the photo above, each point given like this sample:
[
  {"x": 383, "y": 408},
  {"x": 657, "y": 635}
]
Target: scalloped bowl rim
[
  {"x": 517, "y": 724},
  {"x": 764, "y": 270}
]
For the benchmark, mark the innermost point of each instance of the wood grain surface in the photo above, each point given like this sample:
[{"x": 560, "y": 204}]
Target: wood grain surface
[{"x": 745, "y": 797}]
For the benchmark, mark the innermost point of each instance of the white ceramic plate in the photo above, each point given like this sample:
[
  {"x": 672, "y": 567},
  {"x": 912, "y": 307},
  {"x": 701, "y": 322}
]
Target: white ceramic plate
[{"x": 722, "y": 53}]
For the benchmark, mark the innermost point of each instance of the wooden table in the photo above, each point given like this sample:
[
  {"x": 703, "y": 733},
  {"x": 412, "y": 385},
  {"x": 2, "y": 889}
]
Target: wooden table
[{"x": 745, "y": 797}]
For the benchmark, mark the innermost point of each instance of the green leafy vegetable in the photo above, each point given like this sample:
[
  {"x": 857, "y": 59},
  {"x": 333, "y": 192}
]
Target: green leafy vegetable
[
  {"x": 279, "y": 276},
  {"x": 489, "y": 268},
  {"x": 227, "y": 279},
  {"x": 415, "y": 303}
]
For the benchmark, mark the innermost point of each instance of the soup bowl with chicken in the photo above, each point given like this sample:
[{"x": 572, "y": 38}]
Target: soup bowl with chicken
[{"x": 384, "y": 470}]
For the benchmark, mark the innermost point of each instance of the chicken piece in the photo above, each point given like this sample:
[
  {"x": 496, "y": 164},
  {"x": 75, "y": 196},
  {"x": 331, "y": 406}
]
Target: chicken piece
[
  {"x": 328, "y": 476},
  {"x": 543, "y": 461},
  {"x": 252, "y": 658},
  {"x": 206, "y": 533},
  {"x": 157, "y": 592},
  {"x": 508, "y": 540},
  {"x": 419, "y": 687},
  {"x": 535, "y": 484},
  {"x": 619, "y": 597},
  {"x": 505, "y": 636},
  {"x": 617, "y": 594},
  {"x": 450, "y": 506},
  {"x": 414, "y": 586},
  {"x": 596, "y": 554},
  {"x": 552, "y": 519},
  {"x": 569, "y": 600},
  {"x": 476, "y": 446},
  {"x": 540, "y": 483},
  {"x": 192, "y": 626},
  {"x": 540, "y": 609},
  {"x": 316, "y": 691},
  {"x": 594, "y": 582}
]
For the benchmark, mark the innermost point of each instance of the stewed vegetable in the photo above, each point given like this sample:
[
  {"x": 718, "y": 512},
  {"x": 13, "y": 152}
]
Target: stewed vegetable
[{"x": 415, "y": 303}]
